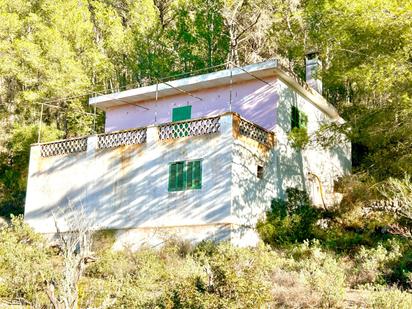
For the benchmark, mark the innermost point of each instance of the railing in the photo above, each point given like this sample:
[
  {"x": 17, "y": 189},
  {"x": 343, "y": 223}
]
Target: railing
[
  {"x": 116, "y": 139},
  {"x": 255, "y": 132},
  {"x": 189, "y": 128},
  {"x": 68, "y": 146},
  {"x": 172, "y": 130}
]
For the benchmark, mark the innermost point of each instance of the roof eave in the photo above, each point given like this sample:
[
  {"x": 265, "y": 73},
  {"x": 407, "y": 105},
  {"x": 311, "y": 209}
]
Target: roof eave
[
  {"x": 189, "y": 84},
  {"x": 215, "y": 79},
  {"x": 312, "y": 95}
]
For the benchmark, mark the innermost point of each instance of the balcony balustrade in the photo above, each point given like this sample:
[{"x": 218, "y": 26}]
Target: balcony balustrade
[{"x": 172, "y": 130}]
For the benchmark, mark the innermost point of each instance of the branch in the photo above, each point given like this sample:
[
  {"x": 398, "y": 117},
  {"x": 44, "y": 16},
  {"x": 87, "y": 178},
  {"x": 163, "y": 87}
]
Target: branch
[
  {"x": 50, "y": 294},
  {"x": 250, "y": 26}
]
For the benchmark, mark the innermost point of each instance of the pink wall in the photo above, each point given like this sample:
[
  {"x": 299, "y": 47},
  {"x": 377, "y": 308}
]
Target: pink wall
[{"x": 253, "y": 100}]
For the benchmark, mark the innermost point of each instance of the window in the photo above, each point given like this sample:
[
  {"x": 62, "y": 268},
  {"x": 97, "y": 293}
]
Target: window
[
  {"x": 176, "y": 176},
  {"x": 185, "y": 175},
  {"x": 298, "y": 119},
  {"x": 182, "y": 113},
  {"x": 259, "y": 172}
]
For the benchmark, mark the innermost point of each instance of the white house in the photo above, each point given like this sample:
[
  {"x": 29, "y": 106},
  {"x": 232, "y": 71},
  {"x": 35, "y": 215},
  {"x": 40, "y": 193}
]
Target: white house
[{"x": 199, "y": 157}]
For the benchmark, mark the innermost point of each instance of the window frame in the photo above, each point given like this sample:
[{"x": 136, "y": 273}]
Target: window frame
[
  {"x": 298, "y": 119},
  {"x": 259, "y": 171},
  {"x": 195, "y": 168},
  {"x": 177, "y": 112}
]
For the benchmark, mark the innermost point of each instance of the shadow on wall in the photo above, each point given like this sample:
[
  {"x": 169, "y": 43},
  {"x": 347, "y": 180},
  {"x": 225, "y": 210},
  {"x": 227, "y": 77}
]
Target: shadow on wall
[
  {"x": 327, "y": 163},
  {"x": 290, "y": 161},
  {"x": 259, "y": 106},
  {"x": 127, "y": 187},
  {"x": 252, "y": 195}
]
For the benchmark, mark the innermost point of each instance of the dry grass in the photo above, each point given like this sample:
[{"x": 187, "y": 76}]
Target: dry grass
[{"x": 289, "y": 291}]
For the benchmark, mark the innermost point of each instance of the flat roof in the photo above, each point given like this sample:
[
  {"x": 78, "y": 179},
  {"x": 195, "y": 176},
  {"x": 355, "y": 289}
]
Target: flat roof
[{"x": 209, "y": 80}]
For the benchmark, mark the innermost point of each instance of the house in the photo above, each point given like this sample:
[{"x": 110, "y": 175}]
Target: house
[{"x": 198, "y": 157}]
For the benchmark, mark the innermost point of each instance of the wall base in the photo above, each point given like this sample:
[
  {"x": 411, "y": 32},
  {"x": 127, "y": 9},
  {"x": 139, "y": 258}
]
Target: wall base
[{"x": 134, "y": 238}]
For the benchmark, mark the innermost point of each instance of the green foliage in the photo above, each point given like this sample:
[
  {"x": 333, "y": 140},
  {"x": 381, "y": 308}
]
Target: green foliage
[
  {"x": 103, "y": 240},
  {"x": 14, "y": 165},
  {"x": 25, "y": 264},
  {"x": 289, "y": 221},
  {"x": 366, "y": 46},
  {"x": 400, "y": 191},
  {"x": 388, "y": 298},
  {"x": 57, "y": 49},
  {"x": 221, "y": 277},
  {"x": 208, "y": 275},
  {"x": 320, "y": 269},
  {"x": 299, "y": 137},
  {"x": 373, "y": 264},
  {"x": 379, "y": 256}
]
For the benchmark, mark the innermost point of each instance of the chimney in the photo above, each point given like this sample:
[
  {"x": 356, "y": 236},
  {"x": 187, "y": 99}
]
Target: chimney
[{"x": 313, "y": 68}]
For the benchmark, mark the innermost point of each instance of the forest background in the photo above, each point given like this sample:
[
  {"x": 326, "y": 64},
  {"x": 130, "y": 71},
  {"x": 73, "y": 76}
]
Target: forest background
[
  {"x": 58, "y": 53},
  {"x": 61, "y": 52}
]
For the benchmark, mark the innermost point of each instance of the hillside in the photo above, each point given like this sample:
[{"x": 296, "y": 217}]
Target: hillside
[{"x": 56, "y": 54}]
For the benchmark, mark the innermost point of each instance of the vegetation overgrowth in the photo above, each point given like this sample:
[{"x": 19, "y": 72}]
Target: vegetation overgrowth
[
  {"x": 208, "y": 275},
  {"x": 61, "y": 51}
]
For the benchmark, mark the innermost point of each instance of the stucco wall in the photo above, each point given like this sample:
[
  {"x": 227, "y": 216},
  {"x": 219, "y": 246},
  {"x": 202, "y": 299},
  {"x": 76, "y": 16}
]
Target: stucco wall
[
  {"x": 283, "y": 167},
  {"x": 294, "y": 165},
  {"x": 127, "y": 187},
  {"x": 254, "y": 100},
  {"x": 251, "y": 196}
]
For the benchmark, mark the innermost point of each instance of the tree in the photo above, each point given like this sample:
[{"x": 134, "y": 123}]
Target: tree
[
  {"x": 366, "y": 47},
  {"x": 75, "y": 247}
]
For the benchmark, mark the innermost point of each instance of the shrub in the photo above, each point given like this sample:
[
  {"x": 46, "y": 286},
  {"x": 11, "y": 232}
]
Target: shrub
[
  {"x": 14, "y": 165},
  {"x": 230, "y": 278},
  {"x": 24, "y": 264},
  {"x": 103, "y": 240},
  {"x": 299, "y": 137},
  {"x": 374, "y": 264},
  {"x": 289, "y": 221},
  {"x": 390, "y": 298},
  {"x": 401, "y": 269},
  {"x": 322, "y": 272}
]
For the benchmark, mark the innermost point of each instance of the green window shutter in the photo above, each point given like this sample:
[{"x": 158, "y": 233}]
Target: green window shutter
[
  {"x": 172, "y": 176},
  {"x": 197, "y": 175},
  {"x": 189, "y": 175},
  {"x": 185, "y": 175},
  {"x": 182, "y": 113},
  {"x": 176, "y": 176},
  {"x": 295, "y": 117},
  {"x": 180, "y": 176},
  {"x": 303, "y": 120}
]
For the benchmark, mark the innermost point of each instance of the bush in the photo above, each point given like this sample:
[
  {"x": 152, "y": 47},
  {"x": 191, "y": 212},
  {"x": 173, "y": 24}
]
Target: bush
[
  {"x": 289, "y": 221},
  {"x": 322, "y": 272},
  {"x": 229, "y": 278},
  {"x": 299, "y": 137},
  {"x": 14, "y": 165},
  {"x": 390, "y": 298},
  {"x": 25, "y": 264},
  {"x": 374, "y": 264}
]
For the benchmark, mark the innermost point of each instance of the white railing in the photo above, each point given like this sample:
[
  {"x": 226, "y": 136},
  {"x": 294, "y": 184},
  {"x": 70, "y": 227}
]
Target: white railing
[
  {"x": 67, "y": 146},
  {"x": 195, "y": 127},
  {"x": 253, "y": 131},
  {"x": 120, "y": 138},
  {"x": 171, "y": 130}
]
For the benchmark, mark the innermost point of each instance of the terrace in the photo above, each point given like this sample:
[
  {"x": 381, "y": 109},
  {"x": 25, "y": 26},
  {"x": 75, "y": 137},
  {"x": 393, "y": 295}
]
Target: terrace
[
  {"x": 166, "y": 131},
  {"x": 121, "y": 178}
]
